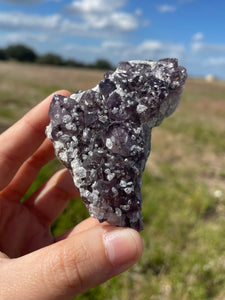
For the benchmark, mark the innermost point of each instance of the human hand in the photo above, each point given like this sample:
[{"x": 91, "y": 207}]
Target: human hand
[{"x": 33, "y": 263}]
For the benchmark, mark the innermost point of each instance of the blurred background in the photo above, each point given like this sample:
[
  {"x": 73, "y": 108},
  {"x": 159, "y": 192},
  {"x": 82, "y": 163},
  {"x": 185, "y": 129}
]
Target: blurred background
[{"x": 50, "y": 45}]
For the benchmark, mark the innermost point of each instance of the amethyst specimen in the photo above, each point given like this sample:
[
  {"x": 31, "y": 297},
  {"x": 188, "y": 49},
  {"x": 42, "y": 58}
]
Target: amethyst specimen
[{"x": 103, "y": 135}]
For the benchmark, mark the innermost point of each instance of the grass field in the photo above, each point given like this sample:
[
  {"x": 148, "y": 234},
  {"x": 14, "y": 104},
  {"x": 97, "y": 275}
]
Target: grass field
[{"x": 183, "y": 187}]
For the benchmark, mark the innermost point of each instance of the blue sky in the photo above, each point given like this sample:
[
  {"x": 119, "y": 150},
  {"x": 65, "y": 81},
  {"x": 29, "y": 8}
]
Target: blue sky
[{"x": 191, "y": 30}]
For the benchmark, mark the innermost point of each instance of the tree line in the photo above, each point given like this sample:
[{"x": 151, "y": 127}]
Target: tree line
[{"x": 23, "y": 53}]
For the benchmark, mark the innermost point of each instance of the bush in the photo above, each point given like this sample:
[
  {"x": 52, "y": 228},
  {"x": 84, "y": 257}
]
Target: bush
[
  {"x": 102, "y": 64},
  {"x": 50, "y": 59},
  {"x": 74, "y": 63},
  {"x": 21, "y": 53},
  {"x": 3, "y": 55}
]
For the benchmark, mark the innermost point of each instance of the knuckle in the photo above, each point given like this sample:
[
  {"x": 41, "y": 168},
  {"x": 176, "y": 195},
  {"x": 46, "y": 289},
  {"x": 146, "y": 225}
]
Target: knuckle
[
  {"x": 35, "y": 161},
  {"x": 74, "y": 267}
]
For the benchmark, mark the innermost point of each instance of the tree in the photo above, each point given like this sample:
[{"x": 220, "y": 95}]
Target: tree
[
  {"x": 50, "y": 59},
  {"x": 3, "y": 55},
  {"x": 74, "y": 63},
  {"x": 103, "y": 64},
  {"x": 21, "y": 53}
]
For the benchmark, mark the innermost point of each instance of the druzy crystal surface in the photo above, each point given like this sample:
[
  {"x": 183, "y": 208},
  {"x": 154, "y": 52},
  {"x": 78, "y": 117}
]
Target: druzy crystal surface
[{"x": 103, "y": 135}]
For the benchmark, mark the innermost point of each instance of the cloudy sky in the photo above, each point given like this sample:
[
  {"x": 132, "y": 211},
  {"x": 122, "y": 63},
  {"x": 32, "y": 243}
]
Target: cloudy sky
[{"x": 191, "y": 30}]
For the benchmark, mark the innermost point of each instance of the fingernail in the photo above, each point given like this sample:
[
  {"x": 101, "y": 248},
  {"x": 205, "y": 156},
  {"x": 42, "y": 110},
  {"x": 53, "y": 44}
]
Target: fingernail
[{"x": 121, "y": 246}]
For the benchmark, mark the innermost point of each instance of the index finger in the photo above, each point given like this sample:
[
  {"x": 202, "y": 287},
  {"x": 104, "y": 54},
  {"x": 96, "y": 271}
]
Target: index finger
[{"x": 23, "y": 138}]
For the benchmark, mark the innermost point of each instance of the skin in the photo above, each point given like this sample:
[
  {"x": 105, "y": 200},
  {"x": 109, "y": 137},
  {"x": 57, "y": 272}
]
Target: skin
[{"x": 33, "y": 263}]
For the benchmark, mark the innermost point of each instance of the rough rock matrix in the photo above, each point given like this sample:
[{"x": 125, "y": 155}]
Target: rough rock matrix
[{"x": 102, "y": 135}]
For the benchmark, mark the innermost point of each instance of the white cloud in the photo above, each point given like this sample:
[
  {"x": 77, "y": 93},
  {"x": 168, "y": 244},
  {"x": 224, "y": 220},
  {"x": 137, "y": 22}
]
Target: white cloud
[
  {"x": 208, "y": 49},
  {"x": 14, "y": 20},
  {"x": 96, "y": 19},
  {"x": 119, "y": 21},
  {"x": 101, "y": 14},
  {"x": 116, "y": 51},
  {"x": 22, "y": 1},
  {"x": 25, "y": 37},
  {"x": 166, "y": 8},
  {"x": 86, "y": 18},
  {"x": 94, "y": 27},
  {"x": 138, "y": 12},
  {"x": 198, "y": 36},
  {"x": 85, "y": 7},
  {"x": 28, "y": 2},
  {"x": 159, "y": 49},
  {"x": 215, "y": 61},
  {"x": 150, "y": 46},
  {"x": 148, "y": 49}
]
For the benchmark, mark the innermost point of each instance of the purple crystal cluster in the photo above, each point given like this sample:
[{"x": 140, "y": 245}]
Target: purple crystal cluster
[{"x": 102, "y": 135}]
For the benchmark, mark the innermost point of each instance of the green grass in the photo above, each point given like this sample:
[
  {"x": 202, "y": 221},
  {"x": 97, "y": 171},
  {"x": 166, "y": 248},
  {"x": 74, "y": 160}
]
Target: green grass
[
  {"x": 184, "y": 256},
  {"x": 202, "y": 134}
]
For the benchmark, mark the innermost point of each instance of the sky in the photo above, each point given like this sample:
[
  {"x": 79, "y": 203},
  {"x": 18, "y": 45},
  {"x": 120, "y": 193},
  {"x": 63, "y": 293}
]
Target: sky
[{"x": 86, "y": 30}]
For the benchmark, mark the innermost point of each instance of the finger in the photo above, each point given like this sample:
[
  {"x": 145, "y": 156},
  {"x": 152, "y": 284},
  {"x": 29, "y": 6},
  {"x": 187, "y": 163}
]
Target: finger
[
  {"x": 51, "y": 198},
  {"x": 22, "y": 139},
  {"x": 82, "y": 226},
  {"x": 3, "y": 255},
  {"x": 74, "y": 265},
  {"x": 28, "y": 172}
]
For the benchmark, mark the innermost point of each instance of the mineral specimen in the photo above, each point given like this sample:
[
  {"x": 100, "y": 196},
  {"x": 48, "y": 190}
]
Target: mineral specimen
[{"x": 102, "y": 135}]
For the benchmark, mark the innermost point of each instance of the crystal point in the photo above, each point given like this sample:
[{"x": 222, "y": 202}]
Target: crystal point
[{"x": 103, "y": 135}]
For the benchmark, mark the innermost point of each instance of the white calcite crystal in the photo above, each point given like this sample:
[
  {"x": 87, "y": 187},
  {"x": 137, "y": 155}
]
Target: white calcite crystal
[{"x": 103, "y": 135}]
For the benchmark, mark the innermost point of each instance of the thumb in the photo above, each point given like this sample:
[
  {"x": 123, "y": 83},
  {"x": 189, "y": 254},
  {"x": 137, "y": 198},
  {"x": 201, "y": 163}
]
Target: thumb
[{"x": 74, "y": 265}]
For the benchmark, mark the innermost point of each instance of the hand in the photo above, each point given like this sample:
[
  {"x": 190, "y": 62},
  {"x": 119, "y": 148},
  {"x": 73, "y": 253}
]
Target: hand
[{"x": 33, "y": 263}]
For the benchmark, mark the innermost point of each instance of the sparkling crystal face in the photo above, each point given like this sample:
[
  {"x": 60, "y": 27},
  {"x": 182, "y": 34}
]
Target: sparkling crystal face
[{"x": 103, "y": 135}]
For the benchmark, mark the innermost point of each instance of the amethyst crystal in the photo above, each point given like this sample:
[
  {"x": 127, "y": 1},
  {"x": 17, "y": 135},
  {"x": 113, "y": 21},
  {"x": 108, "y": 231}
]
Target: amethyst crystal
[{"x": 103, "y": 135}]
